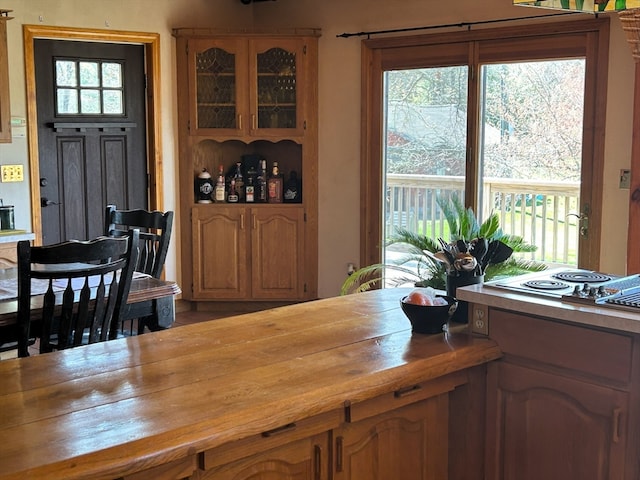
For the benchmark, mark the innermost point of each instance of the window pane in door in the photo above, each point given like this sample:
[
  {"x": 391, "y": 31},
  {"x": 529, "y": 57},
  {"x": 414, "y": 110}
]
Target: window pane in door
[
  {"x": 111, "y": 75},
  {"x": 89, "y": 74},
  {"x": 426, "y": 136},
  {"x": 66, "y": 73},
  {"x": 112, "y": 100},
  {"x": 90, "y": 101},
  {"x": 531, "y": 152},
  {"x": 67, "y": 100}
]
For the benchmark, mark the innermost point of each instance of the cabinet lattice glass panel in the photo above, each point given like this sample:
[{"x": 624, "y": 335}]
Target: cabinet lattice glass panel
[
  {"x": 276, "y": 89},
  {"x": 216, "y": 88}
]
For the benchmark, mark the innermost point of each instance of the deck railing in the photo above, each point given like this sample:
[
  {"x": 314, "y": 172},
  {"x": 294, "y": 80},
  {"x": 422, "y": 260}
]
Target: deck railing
[{"x": 543, "y": 213}]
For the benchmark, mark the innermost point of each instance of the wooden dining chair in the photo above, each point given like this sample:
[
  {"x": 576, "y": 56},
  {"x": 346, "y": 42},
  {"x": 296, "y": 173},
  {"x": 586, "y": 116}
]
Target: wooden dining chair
[
  {"x": 86, "y": 283},
  {"x": 155, "y": 235}
]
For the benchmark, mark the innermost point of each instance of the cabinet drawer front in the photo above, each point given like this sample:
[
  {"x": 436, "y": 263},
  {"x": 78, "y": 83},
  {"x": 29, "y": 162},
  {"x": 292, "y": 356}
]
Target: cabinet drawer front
[
  {"x": 230, "y": 452},
  {"x": 404, "y": 396},
  {"x": 596, "y": 353}
]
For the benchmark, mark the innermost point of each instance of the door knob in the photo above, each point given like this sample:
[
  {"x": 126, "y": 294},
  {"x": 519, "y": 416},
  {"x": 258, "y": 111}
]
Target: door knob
[{"x": 45, "y": 202}]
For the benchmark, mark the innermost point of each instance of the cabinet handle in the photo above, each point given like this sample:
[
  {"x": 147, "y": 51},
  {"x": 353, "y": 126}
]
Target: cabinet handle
[
  {"x": 253, "y": 122},
  {"x": 339, "y": 446},
  {"x": 317, "y": 459},
  {"x": 277, "y": 431},
  {"x": 239, "y": 121},
  {"x": 617, "y": 413},
  {"x": 403, "y": 392},
  {"x": 255, "y": 222},
  {"x": 242, "y": 221}
]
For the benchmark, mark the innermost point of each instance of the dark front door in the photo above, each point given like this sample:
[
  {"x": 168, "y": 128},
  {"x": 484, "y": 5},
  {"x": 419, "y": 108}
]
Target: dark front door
[{"x": 91, "y": 134}]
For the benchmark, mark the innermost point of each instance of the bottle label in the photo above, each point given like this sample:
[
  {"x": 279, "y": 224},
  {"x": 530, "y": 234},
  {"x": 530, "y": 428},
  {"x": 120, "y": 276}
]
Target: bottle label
[
  {"x": 232, "y": 198},
  {"x": 220, "y": 194},
  {"x": 249, "y": 195},
  {"x": 275, "y": 190}
]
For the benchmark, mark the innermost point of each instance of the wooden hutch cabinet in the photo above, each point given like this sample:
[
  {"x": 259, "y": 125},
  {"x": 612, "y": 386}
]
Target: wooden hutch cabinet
[{"x": 248, "y": 96}]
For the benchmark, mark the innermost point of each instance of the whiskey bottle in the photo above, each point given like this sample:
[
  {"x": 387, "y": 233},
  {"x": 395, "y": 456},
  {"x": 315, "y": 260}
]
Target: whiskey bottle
[
  {"x": 239, "y": 178},
  {"x": 220, "y": 188},
  {"x": 233, "y": 193},
  {"x": 274, "y": 185},
  {"x": 249, "y": 191},
  {"x": 293, "y": 189},
  {"x": 261, "y": 181}
]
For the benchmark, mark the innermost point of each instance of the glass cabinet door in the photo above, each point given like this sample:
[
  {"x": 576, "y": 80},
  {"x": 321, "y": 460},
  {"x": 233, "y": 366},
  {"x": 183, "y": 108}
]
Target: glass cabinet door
[
  {"x": 218, "y": 89},
  {"x": 278, "y": 72}
]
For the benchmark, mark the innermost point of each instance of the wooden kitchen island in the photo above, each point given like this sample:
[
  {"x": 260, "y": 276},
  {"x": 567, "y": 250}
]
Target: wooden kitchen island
[
  {"x": 335, "y": 388},
  {"x": 563, "y": 403}
]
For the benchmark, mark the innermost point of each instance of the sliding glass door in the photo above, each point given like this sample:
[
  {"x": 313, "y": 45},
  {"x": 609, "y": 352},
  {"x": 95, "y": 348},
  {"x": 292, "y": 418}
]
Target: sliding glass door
[{"x": 509, "y": 125}]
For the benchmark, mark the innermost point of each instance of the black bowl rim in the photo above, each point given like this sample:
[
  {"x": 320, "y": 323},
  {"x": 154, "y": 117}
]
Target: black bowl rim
[{"x": 450, "y": 301}]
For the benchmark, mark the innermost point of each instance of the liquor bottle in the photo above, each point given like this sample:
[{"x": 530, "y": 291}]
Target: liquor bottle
[
  {"x": 274, "y": 185},
  {"x": 233, "y": 193},
  {"x": 249, "y": 191},
  {"x": 261, "y": 182},
  {"x": 293, "y": 189},
  {"x": 220, "y": 189},
  {"x": 238, "y": 177}
]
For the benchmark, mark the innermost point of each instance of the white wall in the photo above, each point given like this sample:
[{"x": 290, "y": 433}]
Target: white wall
[{"x": 339, "y": 93}]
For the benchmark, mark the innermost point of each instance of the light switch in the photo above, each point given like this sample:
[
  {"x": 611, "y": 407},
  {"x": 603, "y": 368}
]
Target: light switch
[{"x": 11, "y": 173}]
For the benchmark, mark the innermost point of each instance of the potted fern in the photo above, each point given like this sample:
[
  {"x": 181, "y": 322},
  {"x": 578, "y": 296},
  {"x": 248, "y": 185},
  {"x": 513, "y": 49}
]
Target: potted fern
[{"x": 420, "y": 260}]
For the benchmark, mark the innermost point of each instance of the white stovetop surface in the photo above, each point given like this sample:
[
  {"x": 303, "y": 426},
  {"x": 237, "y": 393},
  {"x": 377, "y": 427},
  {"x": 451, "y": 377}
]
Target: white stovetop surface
[{"x": 606, "y": 317}]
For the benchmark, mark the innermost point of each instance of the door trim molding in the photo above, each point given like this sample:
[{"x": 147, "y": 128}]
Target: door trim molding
[{"x": 151, "y": 42}]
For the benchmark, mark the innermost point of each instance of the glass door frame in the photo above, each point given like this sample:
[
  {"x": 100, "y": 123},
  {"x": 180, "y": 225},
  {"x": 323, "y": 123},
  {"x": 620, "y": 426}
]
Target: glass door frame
[{"x": 588, "y": 38}]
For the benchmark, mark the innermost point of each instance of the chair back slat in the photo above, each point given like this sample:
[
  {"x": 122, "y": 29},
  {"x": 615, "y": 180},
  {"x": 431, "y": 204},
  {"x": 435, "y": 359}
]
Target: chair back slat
[
  {"x": 155, "y": 234},
  {"x": 88, "y": 285}
]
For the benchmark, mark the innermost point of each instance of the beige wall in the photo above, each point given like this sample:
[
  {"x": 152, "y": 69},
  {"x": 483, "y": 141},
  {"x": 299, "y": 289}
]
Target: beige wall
[{"x": 339, "y": 90}]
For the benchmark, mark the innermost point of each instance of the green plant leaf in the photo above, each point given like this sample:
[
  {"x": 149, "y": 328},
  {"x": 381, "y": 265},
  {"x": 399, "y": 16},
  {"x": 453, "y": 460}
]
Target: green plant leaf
[{"x": 414, "y": 267}]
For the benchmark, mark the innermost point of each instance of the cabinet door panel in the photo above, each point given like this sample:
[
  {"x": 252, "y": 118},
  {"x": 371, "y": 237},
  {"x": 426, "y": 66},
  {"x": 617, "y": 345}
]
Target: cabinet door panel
[
  {"x": 408, "y": 443},
  {"x": 305, "y": 459},
  {"x": 277, "y": 69},
  {"x": 543, "y": 425},
  {"x": 218, "y": 86},
  {"x": 277, "y": 256},
  {"x": 219, "y": 253}
]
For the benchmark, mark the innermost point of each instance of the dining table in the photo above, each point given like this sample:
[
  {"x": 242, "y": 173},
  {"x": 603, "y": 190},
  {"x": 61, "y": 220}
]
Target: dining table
[{"x": 147, "y": 296}]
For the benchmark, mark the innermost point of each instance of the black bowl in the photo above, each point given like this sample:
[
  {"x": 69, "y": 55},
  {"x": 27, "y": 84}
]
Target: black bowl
[{"x": 429, "y": 318}]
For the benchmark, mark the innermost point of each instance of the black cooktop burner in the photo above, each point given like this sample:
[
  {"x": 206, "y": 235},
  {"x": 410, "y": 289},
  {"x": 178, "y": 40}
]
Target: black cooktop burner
[
  {"x": 582, "y": 277},
  {"x": 546, "y": 284}
]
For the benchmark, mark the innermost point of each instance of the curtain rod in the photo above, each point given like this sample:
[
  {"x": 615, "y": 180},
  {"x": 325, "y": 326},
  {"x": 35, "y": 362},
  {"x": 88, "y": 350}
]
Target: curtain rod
[{"x": 462, "y": 24}]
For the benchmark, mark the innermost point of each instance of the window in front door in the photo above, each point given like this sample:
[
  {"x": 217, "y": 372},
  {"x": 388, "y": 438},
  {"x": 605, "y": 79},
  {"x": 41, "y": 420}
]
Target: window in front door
[{"x": 89, "y": 87}]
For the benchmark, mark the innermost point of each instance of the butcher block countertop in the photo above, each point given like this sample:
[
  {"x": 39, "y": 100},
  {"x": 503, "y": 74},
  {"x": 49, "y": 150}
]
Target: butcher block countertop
[{"x": 112, "y": 409}]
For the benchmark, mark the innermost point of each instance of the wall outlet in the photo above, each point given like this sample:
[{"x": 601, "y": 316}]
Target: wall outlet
[
  {"x": 480, "y": 320},
  {"x": 625, "y": 178},
  {"x": 11, "y": 173}
]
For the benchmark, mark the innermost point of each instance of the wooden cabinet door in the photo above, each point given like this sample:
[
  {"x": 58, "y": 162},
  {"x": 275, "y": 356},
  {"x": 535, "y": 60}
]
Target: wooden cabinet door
[
  {"x": 218, "y": 86},
  {"x": 547, "y": 426},
  {"x": 277, "y": 253},
  {"x": 220, "y": 246},
  {"x": 277, "y": 70},
  {"x": 408, "y": 443},
  {"x": 306, "y": 459}
]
